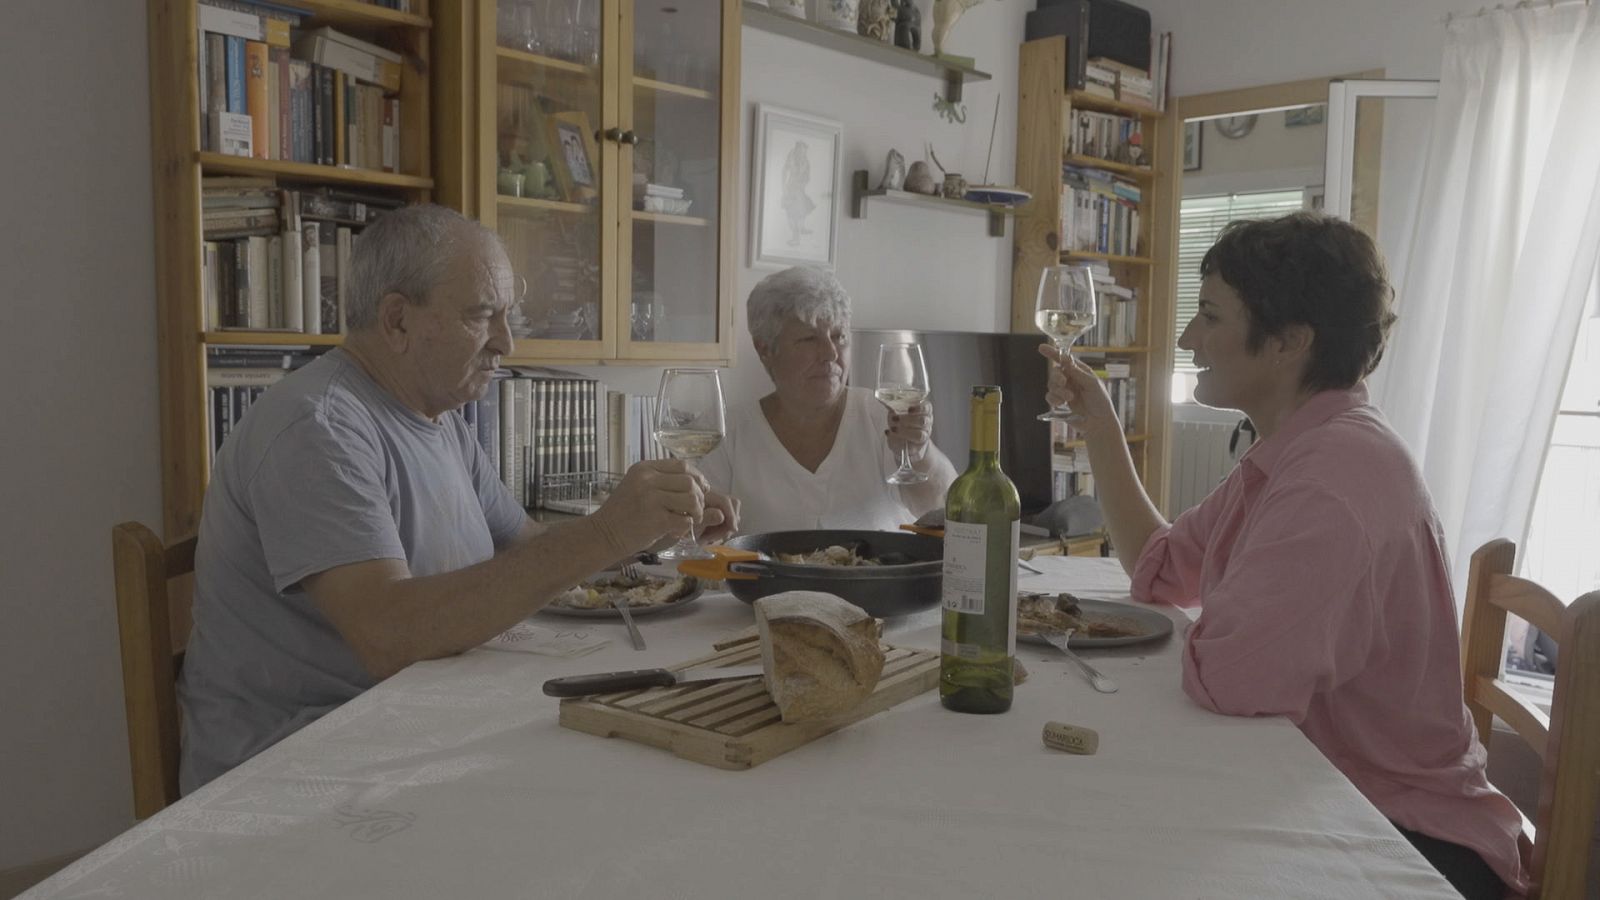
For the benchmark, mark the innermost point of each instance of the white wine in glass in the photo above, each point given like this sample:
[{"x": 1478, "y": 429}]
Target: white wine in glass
[
  {"x": 902, "y": 384},
  {"x": 690, "y": 423},
  {"x": 1065, "y": 310}
]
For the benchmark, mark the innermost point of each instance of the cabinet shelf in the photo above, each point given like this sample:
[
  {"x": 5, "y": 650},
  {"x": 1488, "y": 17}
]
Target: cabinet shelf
[
  {"x": 529, "y": 205},
  {"x": 952, "y": 73},
  {"x": 1073, "y": 445},
  {"x": 223, "y": 164},
  {"x": 1082, "y": 100},
  {"x": 515, "y": 59},
  {"x": 1143, "y": 173},
  {"x": 361, "y": 15},
  {"x": 1109, "y": 351},
  {"x": 1108, "y": 257},
  {"x": 269, "y": 338},
  {"x": 665, "y": 87},
  {"x": 860, "y": 193},
  {"x": 668, "y": 219}
]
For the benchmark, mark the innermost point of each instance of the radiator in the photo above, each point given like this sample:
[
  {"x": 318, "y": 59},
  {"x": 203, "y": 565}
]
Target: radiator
[{"x": 1200, "y": 460}]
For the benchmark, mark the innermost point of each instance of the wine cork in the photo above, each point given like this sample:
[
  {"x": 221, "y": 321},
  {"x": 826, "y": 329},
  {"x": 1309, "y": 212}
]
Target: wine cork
[
  {"x": 1071, "y": 738},
  {"x": 1018, "y": 673}
]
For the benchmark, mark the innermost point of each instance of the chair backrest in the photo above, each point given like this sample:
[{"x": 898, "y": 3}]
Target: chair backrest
[
  {"x": 151, "y": 657},
  {"x": 1568, "y": 740}
]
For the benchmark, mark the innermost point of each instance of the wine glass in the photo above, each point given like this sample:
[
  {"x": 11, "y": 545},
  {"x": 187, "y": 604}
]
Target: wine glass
[
  {"x": 902, "y": 384},
  {"x": 1065, "y": 309},
  {"x": 689, "y": 424}
]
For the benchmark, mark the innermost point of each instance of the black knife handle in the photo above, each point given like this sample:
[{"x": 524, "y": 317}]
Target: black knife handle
[{"x": 609, "y": 682}]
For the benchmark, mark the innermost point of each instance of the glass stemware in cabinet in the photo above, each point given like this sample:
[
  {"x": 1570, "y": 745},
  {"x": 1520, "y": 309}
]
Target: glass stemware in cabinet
[{"x": 689, "y": 423}]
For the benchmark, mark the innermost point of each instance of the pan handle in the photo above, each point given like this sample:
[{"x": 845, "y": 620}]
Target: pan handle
[{"x": 722, "y": 565}]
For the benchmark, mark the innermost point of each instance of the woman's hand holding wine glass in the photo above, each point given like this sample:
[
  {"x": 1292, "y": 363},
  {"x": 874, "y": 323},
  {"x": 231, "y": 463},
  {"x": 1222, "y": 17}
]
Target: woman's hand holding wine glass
[
  {"x": 1065, "y": 309},
  {"x": 902, "y": 386}
]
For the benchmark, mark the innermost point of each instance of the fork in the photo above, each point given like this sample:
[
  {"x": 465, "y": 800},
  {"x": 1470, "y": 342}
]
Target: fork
[
  {"x": 1059, "y": 641},
  {"x": 630, "y": 572}
]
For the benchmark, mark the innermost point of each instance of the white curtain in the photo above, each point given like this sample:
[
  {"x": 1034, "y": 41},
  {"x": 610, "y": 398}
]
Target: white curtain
[{"x": 1503, "y": 253}]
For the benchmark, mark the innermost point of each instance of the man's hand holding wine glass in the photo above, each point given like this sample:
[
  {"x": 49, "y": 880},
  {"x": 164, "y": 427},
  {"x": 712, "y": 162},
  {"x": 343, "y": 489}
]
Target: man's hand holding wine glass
[{"x": 657, "y": 499}]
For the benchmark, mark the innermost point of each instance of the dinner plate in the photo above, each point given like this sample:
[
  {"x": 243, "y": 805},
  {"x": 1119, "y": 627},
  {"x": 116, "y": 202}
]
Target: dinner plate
[
  {"x": 1152, "y": 625},
  {"x": 696, "y": 588},
  {"x": 1000, "y": 196}
]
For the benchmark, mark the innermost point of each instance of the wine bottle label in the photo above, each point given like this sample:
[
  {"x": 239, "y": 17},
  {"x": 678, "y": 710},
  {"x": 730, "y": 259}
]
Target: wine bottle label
[{"x": 966, "y": 550}]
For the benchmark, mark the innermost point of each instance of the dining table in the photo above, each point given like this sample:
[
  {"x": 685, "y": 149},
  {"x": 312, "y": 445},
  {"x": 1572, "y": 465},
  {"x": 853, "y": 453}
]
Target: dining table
[{"x": 455, "y": 778}]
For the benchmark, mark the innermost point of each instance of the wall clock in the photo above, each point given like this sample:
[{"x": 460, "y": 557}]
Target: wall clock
[{"x": 1235, "y": 126}]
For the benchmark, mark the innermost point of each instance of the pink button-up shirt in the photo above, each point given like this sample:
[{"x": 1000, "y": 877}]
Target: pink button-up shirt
[{"x": 1325, "y": 595}]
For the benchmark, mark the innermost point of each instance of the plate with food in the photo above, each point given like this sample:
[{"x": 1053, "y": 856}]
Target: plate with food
[
  {"x": 1098, "y": 623},
  {"x": 645, "y": 594}
]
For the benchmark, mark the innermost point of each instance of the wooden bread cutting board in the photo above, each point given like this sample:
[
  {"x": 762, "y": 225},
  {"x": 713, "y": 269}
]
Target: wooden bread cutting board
[{"x": 735, "y": 724}]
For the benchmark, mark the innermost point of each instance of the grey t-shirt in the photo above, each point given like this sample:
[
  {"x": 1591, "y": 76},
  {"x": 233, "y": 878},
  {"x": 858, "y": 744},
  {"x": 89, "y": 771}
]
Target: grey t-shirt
[{"x": 327, "y": 469}]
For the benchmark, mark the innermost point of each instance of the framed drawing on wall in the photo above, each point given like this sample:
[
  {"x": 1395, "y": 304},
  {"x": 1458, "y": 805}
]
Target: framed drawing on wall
[
  {"x": 794, "y": 204},
  {"x": 1193, "y": 132},
  {"x": 575, "y": 156}
]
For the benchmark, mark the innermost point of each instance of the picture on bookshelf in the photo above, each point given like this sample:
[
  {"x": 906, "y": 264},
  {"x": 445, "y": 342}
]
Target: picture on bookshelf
[
  {"x": 1193, "y": 132},
  {"x": 793, "y": 216},
  {"x": 576, "y": 158}
]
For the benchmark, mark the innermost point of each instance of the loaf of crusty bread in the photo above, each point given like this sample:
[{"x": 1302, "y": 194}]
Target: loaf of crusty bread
[{"x": 820, "y": 653}]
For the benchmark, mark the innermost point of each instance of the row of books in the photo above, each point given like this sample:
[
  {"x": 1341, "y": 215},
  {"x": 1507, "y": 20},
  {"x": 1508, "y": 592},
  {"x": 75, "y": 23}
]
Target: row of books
[
  {"x": 1116, "y": 80},
  {"x": 270, "y": 91},
  {"x": 1068, "y": 480},
  {"x": 1120, "y": 384},
  {"x": 278, "y": 259},
  {"x": 540, "y": 426},
  {"x": 1099, "y": 212},
  {"x": 1116, "y": 320},
  {"x": 237, "y": 377},
  {"x": 1106, "y": 136}
]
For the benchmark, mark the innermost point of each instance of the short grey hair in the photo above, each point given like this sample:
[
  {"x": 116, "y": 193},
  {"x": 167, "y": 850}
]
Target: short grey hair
[
  {"x": 408, "y": 252},
  {"x": 807, "y": 294}
]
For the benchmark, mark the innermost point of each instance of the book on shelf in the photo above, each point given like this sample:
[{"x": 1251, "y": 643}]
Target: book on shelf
[
  {"x": 351, "y": 56},
  {"x": 327, "y": 100}
]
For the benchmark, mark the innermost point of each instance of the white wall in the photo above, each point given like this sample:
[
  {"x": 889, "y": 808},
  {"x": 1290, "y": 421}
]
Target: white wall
[
  {"x": 1272, "y": 157},
  {"x": 77, "y": 335},
  {"x": 81, "y": 443},
  {"x": 904, "y": 266}
]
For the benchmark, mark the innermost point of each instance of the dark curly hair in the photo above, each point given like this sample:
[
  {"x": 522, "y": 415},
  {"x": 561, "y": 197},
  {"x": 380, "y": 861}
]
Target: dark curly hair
[{"x": 1314, "y": 270}]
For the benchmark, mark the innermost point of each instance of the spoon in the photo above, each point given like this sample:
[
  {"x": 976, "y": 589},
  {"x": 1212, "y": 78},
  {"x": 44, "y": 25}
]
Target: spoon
[{"x": 1059, "y": 641}]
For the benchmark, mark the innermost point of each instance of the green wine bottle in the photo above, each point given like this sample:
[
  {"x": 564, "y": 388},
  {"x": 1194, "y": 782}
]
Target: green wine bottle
[{"x": 982, "y": 521}]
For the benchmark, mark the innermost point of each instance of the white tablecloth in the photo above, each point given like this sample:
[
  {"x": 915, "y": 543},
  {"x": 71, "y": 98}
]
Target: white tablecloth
[{"x": 453, "y": 779}]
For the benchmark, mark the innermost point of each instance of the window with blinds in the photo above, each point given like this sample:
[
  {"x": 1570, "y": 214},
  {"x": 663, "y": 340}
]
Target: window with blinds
[{"x": 1199, "y": 221}]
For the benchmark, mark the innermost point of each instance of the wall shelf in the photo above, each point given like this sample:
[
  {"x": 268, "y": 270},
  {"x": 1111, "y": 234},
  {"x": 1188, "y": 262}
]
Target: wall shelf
[
  {"x": 952, "y": 73},
  {"x": 860, "y": 193}
]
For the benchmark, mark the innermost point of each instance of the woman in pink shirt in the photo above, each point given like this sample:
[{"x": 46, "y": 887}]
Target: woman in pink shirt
[{"x": 1318, "y": 563}]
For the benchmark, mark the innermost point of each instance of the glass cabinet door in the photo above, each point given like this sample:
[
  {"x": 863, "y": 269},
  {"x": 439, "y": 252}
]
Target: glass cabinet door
[
  {"x": 671, "y": 237},
  {"x": 549, "y": 191}
]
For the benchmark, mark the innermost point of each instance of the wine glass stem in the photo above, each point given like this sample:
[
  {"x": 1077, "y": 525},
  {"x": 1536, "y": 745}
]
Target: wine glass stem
[{"x": 905, "y": 459}]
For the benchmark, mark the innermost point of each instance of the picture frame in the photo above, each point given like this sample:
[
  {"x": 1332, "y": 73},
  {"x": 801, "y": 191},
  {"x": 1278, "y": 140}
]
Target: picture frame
[
  {"x": 794, "y": 208},
  {"x": 1193, "y": 135},
  {"x": 1302, "y": 116},
  {"x": 575, "y": 157}
]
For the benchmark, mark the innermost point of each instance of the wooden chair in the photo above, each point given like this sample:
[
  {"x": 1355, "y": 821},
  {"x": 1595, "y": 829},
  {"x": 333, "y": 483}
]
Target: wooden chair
[
  {"x": 1568, "y": 740},
  {"x": 151, "y": 656}
]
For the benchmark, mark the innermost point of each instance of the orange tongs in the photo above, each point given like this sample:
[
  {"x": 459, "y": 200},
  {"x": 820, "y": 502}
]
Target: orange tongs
[{"x": 720, "y": 566}]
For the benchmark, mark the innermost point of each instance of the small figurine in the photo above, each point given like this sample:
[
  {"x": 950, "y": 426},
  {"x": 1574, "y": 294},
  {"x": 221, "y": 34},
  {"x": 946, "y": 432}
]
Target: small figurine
[
  {"x": 945, "y": 14},
  {"x": 919, "y": 180},
  {"x": 894, "y": 172},
  {"x": 876, "y": 20},
  {"x": 908, "y": 25}
]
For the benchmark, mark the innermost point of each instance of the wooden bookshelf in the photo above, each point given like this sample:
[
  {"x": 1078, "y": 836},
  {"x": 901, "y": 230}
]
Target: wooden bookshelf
[
  {"x": 1044, "y": 107},
  {"x": 180, "y": 161}
]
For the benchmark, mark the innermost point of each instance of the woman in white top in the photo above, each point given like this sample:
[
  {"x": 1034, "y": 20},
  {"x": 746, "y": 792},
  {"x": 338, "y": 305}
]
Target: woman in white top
[{"x": 815, "y": 452}]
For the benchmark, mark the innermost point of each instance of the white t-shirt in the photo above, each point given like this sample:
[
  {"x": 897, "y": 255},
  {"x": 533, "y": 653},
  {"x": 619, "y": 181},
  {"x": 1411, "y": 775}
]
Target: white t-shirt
[{"x": 776, "y": 493}]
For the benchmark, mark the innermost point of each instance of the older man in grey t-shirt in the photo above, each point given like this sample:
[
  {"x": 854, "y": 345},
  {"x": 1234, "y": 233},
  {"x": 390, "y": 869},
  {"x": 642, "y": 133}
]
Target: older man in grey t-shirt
[{"x": 352, "y": 527}]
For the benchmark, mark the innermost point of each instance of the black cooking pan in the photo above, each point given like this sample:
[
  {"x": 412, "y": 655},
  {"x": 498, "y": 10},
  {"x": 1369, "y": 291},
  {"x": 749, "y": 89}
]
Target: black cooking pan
[{"x": 910, "y": 579}]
